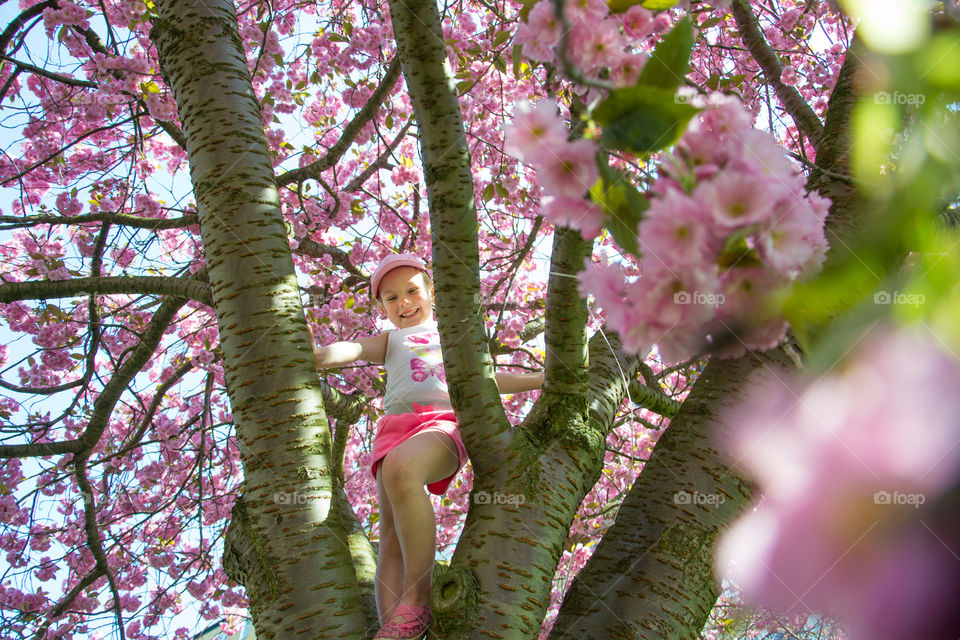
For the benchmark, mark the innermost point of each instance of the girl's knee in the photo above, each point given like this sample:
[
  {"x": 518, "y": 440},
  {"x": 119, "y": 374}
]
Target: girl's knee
[{"x": 400, "y": 473}]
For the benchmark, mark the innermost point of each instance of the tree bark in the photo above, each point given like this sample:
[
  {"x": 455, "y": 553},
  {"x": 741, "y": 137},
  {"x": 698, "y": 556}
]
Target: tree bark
[
  {"x": 453, "y": 219},
  {"x": 651, "y": 575},
  {"x": 288, "y": 543}
]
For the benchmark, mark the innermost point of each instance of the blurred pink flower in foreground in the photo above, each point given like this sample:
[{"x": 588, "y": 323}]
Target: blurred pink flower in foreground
[{"x": 858, "y": 473}]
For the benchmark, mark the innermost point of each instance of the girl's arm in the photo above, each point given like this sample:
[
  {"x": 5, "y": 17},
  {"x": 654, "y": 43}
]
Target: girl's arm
[
  {"x": 340, "y": 354},
  {"x": 518, "y": 382}
]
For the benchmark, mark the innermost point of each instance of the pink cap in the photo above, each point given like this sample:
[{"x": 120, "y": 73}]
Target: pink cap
[{"x": 390, "y": 263}]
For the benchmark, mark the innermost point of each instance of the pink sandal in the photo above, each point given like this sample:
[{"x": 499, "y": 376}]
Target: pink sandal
[{"x": 408, "y": 622}]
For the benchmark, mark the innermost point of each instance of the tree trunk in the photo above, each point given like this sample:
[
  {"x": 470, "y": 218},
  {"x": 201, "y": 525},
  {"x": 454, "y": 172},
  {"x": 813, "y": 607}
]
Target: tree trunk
[
  {"x": 288, "y": 543},
  {"x": 651, "y": 575}
]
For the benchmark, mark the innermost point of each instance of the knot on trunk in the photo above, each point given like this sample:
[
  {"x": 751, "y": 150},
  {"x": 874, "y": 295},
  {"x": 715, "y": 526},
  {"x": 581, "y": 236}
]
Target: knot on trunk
[{"x": 453, "y": 599}]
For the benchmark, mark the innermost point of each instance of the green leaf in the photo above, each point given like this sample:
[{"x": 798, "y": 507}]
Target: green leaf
[
  {"x": 488, "y": 192},
  {"x": 642, "y": 119},
  {"x": 937, "y": 61},
  {"x": 623, "y": 205},
  {"x": 525, "y": 9},
  {"x": 670, "y": 61},
  {"x": 737, "y": 251},
  {"x": 517, "y": 60},
  {"x": 658, "y": 5},
  {"x": 501, "y": 37},
  {"x": 621, "y": 6}
]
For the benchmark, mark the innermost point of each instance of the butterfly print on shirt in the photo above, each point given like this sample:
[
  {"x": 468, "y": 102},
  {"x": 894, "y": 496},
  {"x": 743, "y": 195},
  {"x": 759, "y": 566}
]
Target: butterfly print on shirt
[{"x": 421, "y": 370}]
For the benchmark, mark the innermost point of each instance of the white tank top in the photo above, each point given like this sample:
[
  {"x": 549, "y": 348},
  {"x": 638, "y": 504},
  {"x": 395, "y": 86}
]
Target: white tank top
[{"x": 415, "y": 370}]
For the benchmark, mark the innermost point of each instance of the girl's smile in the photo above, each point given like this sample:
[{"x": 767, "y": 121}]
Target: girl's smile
[{"x": 406, "y": 297}]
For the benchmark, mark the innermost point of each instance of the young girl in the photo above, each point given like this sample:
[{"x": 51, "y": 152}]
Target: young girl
[{"x": 417, "y": 442}]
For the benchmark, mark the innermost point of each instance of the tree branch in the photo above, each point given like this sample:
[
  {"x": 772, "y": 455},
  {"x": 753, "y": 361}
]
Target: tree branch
[
  {"x": 750, "y": 32},
  {"x": 26, "y": 66},
  {"x": 350, "y": 131},
  {"x": 307, "y": 247},
  {"x": 67, "y": 600},
  {"x": 642, "y": 395},
  {"x": 94, "y": 543},
  {"x": 381, "y": 162},
  {"x": 453, "y": 216},
  {"x": 94, "y": 42},
  {"x": 654, "y": 565},
  {"x": 105, "y": 402},
  {"x": 566, "y": 330},
  {"x": 185, "y": 288},
  {"x": 123, "y": 219},
  {"x": 17, "y": 23}
]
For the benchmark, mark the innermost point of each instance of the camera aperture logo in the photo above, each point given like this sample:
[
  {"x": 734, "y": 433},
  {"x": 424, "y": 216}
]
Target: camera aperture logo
[
  {"x": 899, "y": 498},
  {"x": 699, "y": 297},
  {"x": 897, "y": 297},
  {"x": 885, "y": 97},
  {"x": 695, "y": 497},
  {"x": 485, "y": 497},
  {"x": 290, "y": 497}
]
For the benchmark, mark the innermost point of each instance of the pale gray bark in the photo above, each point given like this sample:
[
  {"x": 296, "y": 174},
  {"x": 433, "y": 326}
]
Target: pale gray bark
[{"x": 289, "y": 539}]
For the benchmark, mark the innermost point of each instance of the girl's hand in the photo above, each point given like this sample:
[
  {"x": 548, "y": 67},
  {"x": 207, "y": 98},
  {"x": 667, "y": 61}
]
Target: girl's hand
[
  {"x": 346, "y": 352},
  {"x": 518, "y": 382}
]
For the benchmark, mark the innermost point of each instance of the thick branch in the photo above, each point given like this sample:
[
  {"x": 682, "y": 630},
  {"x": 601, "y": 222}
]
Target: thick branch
[
  {"x": 382, "y": 162},
  {"x": 307, "y": 247},
  {"x": 833, "y": 154},
  {"x": 611, "y": 368},
  {"x": 350, "y": 131},
  {"x": 17, "y": 23},
  {"x": 185, "y": 288},
  {"x": 105, "y": 402},
  {"x": 57, "y": 77},
  {"x": 123, "y": 219},
  {"x": 566, "y": 331},
  {"x": 453, "y": 217},
  {"x": 648, "y": 398},
  {"x": 750, "y": 32},
  {"x": 651, "y": 576},
  {"x": 344, "y": 408}
]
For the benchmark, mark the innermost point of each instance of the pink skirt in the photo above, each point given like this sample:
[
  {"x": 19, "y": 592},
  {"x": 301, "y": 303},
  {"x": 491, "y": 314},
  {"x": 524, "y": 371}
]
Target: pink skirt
[{"x": 395, "y": 428}]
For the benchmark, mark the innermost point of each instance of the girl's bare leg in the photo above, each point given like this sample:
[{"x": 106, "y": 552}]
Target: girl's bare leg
[
  {"x": 389, "y": 580},
  {"x": 424, "y": 458}
]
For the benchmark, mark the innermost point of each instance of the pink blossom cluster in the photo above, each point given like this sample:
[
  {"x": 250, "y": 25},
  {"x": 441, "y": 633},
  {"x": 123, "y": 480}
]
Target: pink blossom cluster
[
  {"x": 857, "y": 471},
  {"x": 596, "y": 40},
  {"x": 565, "y": 169},
  {"x": 787, "y": 27},
  {"x": 729, "y": 224}
]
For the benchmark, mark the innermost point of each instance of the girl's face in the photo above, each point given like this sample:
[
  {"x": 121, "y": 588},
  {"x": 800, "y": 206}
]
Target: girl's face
[{"x": 406, "y": 298}]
